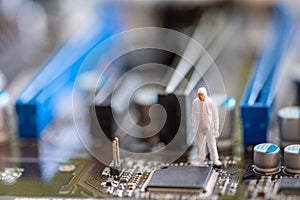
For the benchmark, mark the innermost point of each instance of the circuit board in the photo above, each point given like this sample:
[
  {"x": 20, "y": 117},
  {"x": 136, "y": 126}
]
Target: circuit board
[{"x": 89, "y": 178}]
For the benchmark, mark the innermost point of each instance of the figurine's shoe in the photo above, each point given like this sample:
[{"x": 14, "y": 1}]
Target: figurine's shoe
[
  {"x": 217, "y": 163},
  {"x": 198, "y": 162}
]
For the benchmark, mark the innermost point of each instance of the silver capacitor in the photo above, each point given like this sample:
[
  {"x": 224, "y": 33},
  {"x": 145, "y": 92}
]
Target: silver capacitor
[
  {"x": 4, "y": 116},
  {"x": 150, "y": 116},
  {"x": 289, "y": 125},
  {"x": 226, "y": 108},
  {"x": 266, "y": 157},
  {"x": 292, "y": 158}
]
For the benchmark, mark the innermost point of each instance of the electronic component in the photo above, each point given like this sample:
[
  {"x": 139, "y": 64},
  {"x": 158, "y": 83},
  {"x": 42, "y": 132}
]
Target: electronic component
[
  {"x": 177, "y": 127},
  {"x": 67, "y": 167},
  {"x": 298, "y": 91},
  {"x": 182, "y": 179},
  {"x": 35, "y": 104},
  {"x": 109, "y": 181},
  {"x": 104, "y": 118},
  {"x": 4, "y": 119},
  {"x": 10, "y": 175},
  {"x": 151, "y": 115},
  {"x": 290, "y": 186},
  {"x": 289, "y": 125},
  {"x": 226, "y": 105},
  {"x": 266, "y": 157},
  {"x": 292, "y": 158},
  {"x": 116, "y": 165},
  {"x": 256, "y": 104},
  {"x": 296, "y": 82}
]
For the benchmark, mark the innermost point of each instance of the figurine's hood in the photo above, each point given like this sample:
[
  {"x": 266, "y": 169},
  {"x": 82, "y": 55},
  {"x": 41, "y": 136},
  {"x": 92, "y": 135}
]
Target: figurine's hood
[{"x": 203, "y": 91}]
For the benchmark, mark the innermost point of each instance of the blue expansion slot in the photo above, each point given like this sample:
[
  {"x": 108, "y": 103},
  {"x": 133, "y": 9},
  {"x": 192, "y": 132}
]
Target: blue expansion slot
[
  {"x": 258, "y": 99},
  {"x": 34, "y": 105}
]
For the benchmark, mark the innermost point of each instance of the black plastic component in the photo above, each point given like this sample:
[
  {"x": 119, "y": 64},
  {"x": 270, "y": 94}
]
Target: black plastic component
[
  {"x": 186, "y": 179},
  {"x": 290, "y": 186}
]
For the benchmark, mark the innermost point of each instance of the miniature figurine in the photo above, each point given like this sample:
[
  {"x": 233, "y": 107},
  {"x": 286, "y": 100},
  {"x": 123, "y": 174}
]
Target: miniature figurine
[{"x": 205, "y": 123}]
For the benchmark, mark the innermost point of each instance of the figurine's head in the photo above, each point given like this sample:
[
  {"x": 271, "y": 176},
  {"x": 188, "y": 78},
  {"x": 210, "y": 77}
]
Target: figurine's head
[{"x": 202, "y": 93}]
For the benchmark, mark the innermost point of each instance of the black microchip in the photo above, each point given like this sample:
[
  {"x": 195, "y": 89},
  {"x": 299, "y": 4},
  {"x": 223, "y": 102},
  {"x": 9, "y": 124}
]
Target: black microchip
[
  {"x": 290, "y": 186},
  {"x": 182, "y": 179}
]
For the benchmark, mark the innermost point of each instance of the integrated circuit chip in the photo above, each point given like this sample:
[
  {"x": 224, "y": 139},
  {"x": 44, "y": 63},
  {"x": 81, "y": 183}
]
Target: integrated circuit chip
[
  {"x": 290, "y": 185},
  {"x": 182, "y": 179}
]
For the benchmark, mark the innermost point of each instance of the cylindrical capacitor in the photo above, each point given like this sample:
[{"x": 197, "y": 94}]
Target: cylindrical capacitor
[
  {"x": 151, "y": 118},
  {"x": 292, "y": 158},
  {"x": 226, "y": 108},
  {"x": 266, "y": 157},
  {"x": 289, "y": 125},
  {"x": 4, "y": 118}
]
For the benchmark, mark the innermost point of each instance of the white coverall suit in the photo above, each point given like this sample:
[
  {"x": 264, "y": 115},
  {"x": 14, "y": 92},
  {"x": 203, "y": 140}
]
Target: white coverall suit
[{"x": 205, "y": 123}]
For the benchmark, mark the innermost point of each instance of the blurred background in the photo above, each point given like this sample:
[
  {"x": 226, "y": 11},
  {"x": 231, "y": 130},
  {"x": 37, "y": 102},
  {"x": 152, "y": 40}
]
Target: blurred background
[{"x": 32, "y": 31}]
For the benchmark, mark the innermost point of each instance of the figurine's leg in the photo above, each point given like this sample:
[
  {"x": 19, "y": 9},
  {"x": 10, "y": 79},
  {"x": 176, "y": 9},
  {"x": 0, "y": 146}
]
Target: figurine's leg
[
  {"x": 201, "y": 147},
  {"x": 212, "y": 146}
]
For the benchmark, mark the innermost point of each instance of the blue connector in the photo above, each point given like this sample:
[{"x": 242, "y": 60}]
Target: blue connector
[
  {"x": 258, "y": 99},
  {"x": 35, "y": 104}
]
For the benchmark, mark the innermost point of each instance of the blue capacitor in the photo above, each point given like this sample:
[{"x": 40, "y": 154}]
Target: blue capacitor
[{"x": 266, "y": 157}]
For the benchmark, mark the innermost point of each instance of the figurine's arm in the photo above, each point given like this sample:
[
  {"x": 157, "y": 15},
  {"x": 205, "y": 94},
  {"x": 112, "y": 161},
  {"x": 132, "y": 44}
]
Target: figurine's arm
[{"x": 215, "y": 118}]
